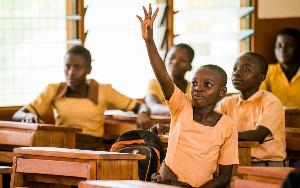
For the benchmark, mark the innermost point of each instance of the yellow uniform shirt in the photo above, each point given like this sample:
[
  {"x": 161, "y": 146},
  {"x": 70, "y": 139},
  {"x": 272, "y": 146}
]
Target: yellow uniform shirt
[
  {"x": 194, "y": 150},
  {"x": 154, "y": 89},
  {"x": 277, "y": 83},
  {"x": 264, "y": 109},
  {"x": 85, "y": 113}
]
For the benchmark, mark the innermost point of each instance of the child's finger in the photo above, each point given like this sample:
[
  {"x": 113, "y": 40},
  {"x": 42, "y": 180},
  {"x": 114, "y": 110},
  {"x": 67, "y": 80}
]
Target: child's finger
[
  {"x": 150, "y": 9},
  {"x": 155, "y": 14},
  {"x": 141, "y": 20},
  {"x": 145, "y": 13}
]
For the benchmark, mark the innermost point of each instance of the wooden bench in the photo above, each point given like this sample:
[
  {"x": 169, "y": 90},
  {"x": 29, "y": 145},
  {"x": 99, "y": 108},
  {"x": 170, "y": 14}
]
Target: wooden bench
[
  {"x": 242, "y": 183},
  {"x": 50, "y": 166},
  {"x": 121, "y": 184},
  {"x": 274, "y": 175}
]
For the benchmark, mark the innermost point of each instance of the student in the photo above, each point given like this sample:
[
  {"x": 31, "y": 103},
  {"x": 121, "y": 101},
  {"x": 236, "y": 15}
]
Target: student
[
  {"x": 259, "y": 114},
  {"x": 178, "y": 61},
  {"x": 81, "y": 103},
  {"x": 283, "y": 78},
  {"x": 200, "y": 138}
]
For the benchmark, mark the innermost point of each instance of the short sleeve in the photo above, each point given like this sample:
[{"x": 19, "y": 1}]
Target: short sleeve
[
  {"x": 44, "y": 101},
  {"x": 177, "y": 101},
  {"x": 272, "y": 115},
  {"x": 229, "y": 150},
  {"x": 154, "y": 89},
  {"x": 222, "y": 108},
  {"x": 117, "y": 100}
]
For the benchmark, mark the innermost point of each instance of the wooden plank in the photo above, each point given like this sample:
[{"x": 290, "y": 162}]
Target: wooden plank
[
  {"x": 121, "y": 184},
  {"x": 274, "y": 175},
  {"x": 293, "y": 144},
  {"x": 36, "y": 126},
  {"x": 242, "y": 183},
  {"x": 75, "y": 153},
  {"x": 61, "y": 168},
  {"x": 6, "y": 156},
  {"x": 50, "y": 179},
  {"x": 118, "y": 170},
  {"x": 15, "y": 138}
]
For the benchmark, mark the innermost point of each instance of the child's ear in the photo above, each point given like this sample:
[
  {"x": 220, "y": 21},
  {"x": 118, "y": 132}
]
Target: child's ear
[
  {"x": 223, "y": 92},
  {"x": 90, "y": 70},
  {"x": 262, "y": 77}
]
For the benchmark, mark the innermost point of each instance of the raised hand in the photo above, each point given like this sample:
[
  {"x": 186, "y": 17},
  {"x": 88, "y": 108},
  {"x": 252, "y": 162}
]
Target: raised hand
[{"x": 147, "y": 23}]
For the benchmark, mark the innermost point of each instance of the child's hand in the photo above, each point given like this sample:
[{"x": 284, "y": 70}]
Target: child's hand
[
  {"x": 155, "y": 177},
  {"x": 147, "y": 24},
  {"x": 160, "y": 128}
]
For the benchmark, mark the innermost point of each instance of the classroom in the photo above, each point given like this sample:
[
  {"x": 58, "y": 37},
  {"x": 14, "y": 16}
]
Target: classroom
[{"x": 117, "y": 93}]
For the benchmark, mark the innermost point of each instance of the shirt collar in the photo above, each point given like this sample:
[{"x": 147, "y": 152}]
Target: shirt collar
[
  {"x": 252, "y": 98},
  {"x": 92, "y": 92}
]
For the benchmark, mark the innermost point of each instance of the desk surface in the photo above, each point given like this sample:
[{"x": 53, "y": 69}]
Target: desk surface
[
  {"x": 36, "y": 126},
  {"x": 121, "y": 184},
  {"x": 75, "y": 153},
  {"x": 273, "y": 172}
]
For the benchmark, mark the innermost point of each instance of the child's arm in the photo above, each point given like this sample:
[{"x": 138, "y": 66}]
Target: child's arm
[
  {"x": 157, "y": 63},
  {"x": 223, "y": 178},
  {"x": 259, "y": 134}
]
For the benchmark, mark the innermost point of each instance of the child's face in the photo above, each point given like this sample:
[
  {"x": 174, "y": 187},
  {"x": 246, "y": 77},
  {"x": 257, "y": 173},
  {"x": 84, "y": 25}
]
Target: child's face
[
  {"x": 178, "y": 62},
  {"x": 246, "y": 75},
  {"x": 287, "y": 49},
  {"x": 206, "y": 89},
  {"x": 76, "y": 69}
]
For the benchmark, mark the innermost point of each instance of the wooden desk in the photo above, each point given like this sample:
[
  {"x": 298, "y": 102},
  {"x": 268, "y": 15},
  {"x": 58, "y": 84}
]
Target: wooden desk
[
  {"x": 292, "y": 118},
  {"x": 275, "y": 175},
  {"x": 16, "y": 134},
  {"x": 117, "y": 124},
  {"x": 121, "y": 184},
  {"x": 241, "y": 183},
  {"x": 292, "y": 145},
  {"x": 69, "y": 166}
]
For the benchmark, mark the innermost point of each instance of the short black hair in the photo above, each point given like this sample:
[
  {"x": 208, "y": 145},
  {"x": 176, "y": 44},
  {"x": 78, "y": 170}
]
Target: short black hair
[
  {"x": 221, "y": 72},
  {"x": 293, "y": 32},
  {"x": 81, "y": 50},
  {"x": 261, "y": 60},
  {"x": 186, "y": 47}
]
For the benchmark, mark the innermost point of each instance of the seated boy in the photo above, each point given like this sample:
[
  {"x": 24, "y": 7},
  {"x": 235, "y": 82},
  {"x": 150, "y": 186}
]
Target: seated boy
[
  {"x": 283, "y": 78},
  {"x": 259, "y": 115},
  {"x": 178, "y": 61},
  {"x": 200, "y": 138}
]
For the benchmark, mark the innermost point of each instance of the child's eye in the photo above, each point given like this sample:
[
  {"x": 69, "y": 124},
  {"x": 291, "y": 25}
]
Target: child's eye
[
  {"x": 78, "y": 67},
  {"x": 208, "y": 85},
  {"x": 194, "y": 83},
  {"x": 234, "y": 68},
  {"x": 246, "y": 69}
]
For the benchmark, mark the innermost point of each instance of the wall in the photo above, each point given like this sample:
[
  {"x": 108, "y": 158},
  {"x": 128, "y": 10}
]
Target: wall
[{"x": 268, "y": 20}]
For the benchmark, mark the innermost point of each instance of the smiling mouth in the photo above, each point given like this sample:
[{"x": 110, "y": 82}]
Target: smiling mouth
[
  {"x": 236, "y": 81},
  {"x": 198, "y": 97}
]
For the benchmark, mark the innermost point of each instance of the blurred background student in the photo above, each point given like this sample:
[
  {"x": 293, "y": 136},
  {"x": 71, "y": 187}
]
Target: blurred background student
[{"x": 283, "y": 78}]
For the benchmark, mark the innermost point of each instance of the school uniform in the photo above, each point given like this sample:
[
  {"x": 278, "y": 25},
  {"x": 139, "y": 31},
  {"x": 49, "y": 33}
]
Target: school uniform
[
  {"x": 264, "y": 109},
  {"x": 194, "y": 150},
  {"x": 277, "y": 83},
  {"x": 85, "y": 113}
]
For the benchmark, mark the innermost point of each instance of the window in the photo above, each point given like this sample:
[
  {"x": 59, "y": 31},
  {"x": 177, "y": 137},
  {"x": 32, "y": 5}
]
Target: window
[
  {"x": 115, "y": 41},
  {"x": 215, "y": 30},
  {"x": 32, "y": 48}
]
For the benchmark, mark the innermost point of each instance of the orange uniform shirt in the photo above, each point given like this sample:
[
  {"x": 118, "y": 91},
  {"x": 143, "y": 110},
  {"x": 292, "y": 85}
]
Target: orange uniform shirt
[
  {"x": 277, "y": 83},
  {"x": 85, "y": 113},
  {"x": 194, "y": 149},
  {"x": 264, "y": 109}
]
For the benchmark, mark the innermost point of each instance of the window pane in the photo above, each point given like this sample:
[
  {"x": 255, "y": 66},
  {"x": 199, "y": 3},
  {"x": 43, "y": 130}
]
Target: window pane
[{"x": 32, "y": 48}]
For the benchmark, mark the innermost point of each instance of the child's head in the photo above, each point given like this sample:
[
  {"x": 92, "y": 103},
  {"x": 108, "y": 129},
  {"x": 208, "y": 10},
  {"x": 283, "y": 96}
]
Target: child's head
[
  {"x": 249, "y": 71},
  {"x": 77, "y": 65},
  {"x": 287, "y": 46},
  {"x": 208, "y": 85},
  {"x": 179, "y": 60}
]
